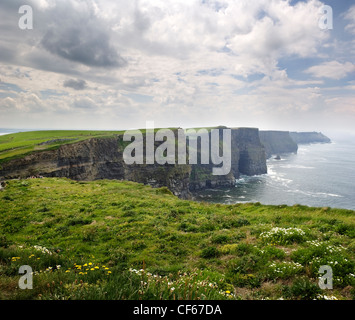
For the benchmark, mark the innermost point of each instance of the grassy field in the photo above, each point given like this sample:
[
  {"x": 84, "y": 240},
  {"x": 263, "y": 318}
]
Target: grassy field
[
  {"x": 16, "y": 145},
  {"x": 123, "y": 240}
]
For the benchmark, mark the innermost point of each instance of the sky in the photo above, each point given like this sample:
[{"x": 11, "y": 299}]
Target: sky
[{"x": 114, "y": 65}]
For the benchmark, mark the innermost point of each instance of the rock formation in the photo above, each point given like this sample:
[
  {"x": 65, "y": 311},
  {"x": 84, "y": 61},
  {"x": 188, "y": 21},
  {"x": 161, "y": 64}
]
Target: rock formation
[
  {"x": 247, "y": 157},
  {"x": 277, "y": 142},
  {"x": 102, "y": 158},
  {"x": 309, "y": 137}
]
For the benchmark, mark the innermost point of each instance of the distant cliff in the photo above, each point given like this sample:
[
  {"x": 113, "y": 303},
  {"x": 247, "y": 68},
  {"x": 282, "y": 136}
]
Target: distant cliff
[
  {"x": 277, "y": 142},
  {"x": 309, "y": 137}
]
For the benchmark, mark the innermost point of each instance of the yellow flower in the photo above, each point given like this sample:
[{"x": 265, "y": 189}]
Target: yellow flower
[
  {"x": 92, "y": 269},
  {"x": 228, "y": 292}
]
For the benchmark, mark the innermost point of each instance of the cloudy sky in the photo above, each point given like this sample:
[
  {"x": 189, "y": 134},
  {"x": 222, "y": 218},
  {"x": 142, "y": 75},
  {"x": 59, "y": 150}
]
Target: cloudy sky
[{"x": 100, "y": 64}]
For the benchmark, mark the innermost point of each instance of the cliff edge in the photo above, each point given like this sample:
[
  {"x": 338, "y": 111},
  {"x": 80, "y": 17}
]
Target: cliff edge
[
  {"x": 102, "y": 158},
  {"x": 277, "y": 142},
  {"x": 309, "y": 137}
]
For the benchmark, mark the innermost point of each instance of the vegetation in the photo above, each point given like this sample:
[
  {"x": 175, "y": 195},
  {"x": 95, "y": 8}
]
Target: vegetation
[
  {"x": 123, "y": 240},
  {"x": 19, "y": 144}
]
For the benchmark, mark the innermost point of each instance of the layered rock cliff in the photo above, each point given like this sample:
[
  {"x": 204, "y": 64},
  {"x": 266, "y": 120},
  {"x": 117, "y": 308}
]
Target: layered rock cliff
[
  {"x": 252, "y": 159},
  {"x": 277, "y": 142},
  {"x": 97, "y": 158},
  {"x": 247, "y": 157},
  {"x": 309, "y": 137},
  {"x": 102, "y": 158}
]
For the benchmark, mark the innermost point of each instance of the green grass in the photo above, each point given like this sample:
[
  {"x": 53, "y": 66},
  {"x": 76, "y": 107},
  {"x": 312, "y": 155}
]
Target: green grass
[
  {"x": 19, "y": 144},
  {"x": 123, "y": 240}
]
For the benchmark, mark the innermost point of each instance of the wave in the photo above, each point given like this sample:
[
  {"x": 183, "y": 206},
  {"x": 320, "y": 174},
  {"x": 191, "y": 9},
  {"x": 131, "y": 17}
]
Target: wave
[
  {"x": 278, "y": 177},
  {"x": 315, "y": 194},
  {"x": 296, "y": 166}
]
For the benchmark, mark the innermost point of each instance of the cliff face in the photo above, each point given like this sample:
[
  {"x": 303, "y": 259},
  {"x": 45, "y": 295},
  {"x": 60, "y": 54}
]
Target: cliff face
[
  {"x": 277, "y": 142},
  {"x": 102, "y": 158},
  {"x": 309, "y": 137},
  {"x": 252, "y": 159},
  {"x": 247, "y": 157},
  {"x": 97, "y": 159}
]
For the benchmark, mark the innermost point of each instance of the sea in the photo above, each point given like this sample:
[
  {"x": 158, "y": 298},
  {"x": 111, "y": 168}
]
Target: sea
[{"x": 319, "y": 175}]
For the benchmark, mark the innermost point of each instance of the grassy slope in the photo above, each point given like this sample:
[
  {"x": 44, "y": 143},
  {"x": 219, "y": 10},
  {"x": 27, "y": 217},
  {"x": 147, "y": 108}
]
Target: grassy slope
[
  {"x": 201, "y": 250},
  {"x": 19, "y": 144}
]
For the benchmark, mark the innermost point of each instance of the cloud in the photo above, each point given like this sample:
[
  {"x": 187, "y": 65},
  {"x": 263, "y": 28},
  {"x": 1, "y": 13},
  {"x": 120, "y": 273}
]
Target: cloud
[
  {"x": 332, "y": 70},
  {"x": 350, "y": 16},
  {"x": 7, "y": 104},
  {"x": 83, "y": 38},
  {"x": 75, "y": 84},
  {"x": 84, "y": 103},
  {"x": 199, "y": 62}
]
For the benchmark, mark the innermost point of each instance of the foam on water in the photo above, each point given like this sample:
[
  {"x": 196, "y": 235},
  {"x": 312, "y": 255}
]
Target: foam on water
[{"x": 318, "y": 175}]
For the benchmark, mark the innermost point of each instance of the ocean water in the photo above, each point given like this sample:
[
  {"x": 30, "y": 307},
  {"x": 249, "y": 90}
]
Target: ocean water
[
  {"x": 7, "y": 131},
  {"x": 319, "y": 175}
]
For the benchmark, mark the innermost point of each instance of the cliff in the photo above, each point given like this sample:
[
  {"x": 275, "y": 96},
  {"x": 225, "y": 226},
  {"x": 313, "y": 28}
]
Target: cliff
[
  {"x": 97, "y": 158},
  {"x": 247, "y": 157},
  {"x": 277, "y": 142},
  {"x": 252, "y": 159},
  {"x": 309, "y": 137},
  {"x": 102, "y": 158}
]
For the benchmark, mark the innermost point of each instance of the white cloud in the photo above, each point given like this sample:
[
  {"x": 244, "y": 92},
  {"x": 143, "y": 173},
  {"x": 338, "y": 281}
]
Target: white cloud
[
  {"x": 198, "y": 62},
  {"x": 332, "y": 69},
  {"x": 350, "y": 16}
]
